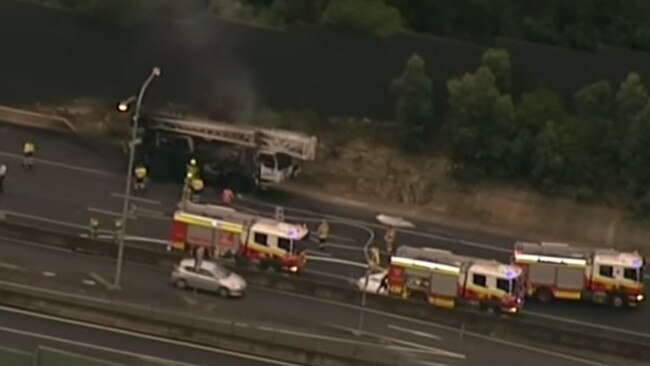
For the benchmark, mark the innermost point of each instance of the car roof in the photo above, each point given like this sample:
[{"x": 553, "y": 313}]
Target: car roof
[{"x": 205, "y": 264}]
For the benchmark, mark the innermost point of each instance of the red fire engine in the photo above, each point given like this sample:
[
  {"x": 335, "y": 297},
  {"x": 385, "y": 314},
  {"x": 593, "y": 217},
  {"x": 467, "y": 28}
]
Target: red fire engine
[
  {"x": 271, "y": 244},
  {"x": 559, "y": 271},
  {"x": 448, "y": 280}
]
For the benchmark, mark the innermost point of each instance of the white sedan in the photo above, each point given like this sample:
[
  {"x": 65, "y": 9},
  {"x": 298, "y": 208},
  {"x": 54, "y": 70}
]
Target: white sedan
[
  {"x": 373, "y": 282},
  {"x": 211, "y": 277}
]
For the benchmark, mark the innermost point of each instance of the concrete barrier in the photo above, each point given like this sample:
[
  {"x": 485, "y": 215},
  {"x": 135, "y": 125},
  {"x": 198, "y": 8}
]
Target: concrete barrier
[
  {"x": 32, "y": 119},
  {"x": 547, "y": 330},
  {"x": 248, "y": 339}
]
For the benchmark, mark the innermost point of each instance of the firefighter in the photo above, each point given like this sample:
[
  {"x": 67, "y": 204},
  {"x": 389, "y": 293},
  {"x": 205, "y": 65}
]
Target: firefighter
[
  {"x": 29, "y": 148},
  {"x": 140, "y": 172},
  {"x": 375, "y": 258},
  {"x": 94, "y": 227},
  {"x": 196, "y": 186},
  {"x": 3, "y": 174},
  {"x": 227, "y": 196},
  {"x": 192, "y": 170},
  {"x": 323, "y": 233},
  {"x": 389, "y": 239}
]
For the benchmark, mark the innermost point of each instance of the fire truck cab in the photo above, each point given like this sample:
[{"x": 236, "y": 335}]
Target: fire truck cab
[
  {"x": 270, "y": 244},
  {"x": 448, "y": 280},
  {"x": 559, "y": 271}
]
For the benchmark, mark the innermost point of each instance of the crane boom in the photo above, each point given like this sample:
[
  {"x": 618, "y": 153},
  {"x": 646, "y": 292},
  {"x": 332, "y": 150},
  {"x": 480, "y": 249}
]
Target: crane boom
[{"x": 297, "y": 145}]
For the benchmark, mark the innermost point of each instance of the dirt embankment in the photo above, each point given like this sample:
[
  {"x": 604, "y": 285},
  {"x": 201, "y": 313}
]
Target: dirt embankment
[{"x": 371, "y": 172}]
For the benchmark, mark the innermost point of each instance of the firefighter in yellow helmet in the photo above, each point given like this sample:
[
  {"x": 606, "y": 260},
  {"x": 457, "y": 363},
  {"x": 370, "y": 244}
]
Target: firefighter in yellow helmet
[
  {"x": 196, "y": 187},
  {"x": 323, "y": 233},
  {"x": 29, "y": 148},
  {"x": 192, "y": 170},
  {"x": 140, "y": 173}
]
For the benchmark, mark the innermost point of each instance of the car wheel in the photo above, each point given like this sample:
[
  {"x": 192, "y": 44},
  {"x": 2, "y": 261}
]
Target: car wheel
[
  {"x": 618, "y": 301},
  {"x": 223, "y": 292},
  {"x": 180, "y": 283}
]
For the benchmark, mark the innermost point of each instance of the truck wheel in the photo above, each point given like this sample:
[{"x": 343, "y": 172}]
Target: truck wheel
[
  {"x": 181, "y": 284},
  {"x": 617, "y": 301},
  {"x": 544, "y": 295}
]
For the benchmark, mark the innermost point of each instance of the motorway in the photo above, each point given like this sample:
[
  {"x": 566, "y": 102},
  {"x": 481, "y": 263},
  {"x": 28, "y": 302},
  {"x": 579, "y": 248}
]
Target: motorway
[
  {"x": 86, "y": 276},
  {"x": 76, "y": 181}
]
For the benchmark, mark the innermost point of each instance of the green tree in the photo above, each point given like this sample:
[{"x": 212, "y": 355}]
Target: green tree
[
  {"x": 594, "y": 100},
  {"x": 480, "y": 125},
  {"x": 533, "y": 112},
  {"x": 549, "y": 159},
  {"x": 632, "y": 97},
  {"x": 414, "y": 108},
  {"x": 366, "y": 16},
  {"x": 498, "y": 61},
  {"x": 635, "y": 158}
]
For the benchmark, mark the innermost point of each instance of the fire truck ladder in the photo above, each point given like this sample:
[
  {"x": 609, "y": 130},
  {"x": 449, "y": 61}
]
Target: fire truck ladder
[{"x": 296, "y": 145}]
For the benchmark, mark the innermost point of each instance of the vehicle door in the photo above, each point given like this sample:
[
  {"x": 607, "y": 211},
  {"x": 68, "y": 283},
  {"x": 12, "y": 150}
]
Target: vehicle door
[
  {"x": 207, "y": 280},
  {"x": 192, "y": 277},
  {"x": 268, "y": 168}
]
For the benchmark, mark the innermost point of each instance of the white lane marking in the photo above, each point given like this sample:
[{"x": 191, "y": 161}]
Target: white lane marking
[
  {"x": 99, "y": 279},
  {"x": 47, "y": 274},
  {"x": 342, "y": 238},
  {"x": 344, "y": 247},
  {"x": 587, "y": 324},
  {"x": 338, "y": 261},
  {"x": 110, "y": 213},
  {"x": 326, "y": 274},
  {"x": 11, "y": 266},
  {"x": 432, "y": 350},
  {"x": 44, "y": 219},
  {"x": 60, "y": 165},
  {"x": 132, "y": 334},
  {"x": 316, "y": 253},
  {"x": 468, "y": 243},
  {"x": 439, "y": 326},
  {"x": 136, "y": 199},
  {"x": 88, "y": 282},
  {"x": 414, "y": 332}
]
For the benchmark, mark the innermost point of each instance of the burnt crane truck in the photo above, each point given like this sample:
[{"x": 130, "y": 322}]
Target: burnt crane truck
[{"x": 241, "y": 156}]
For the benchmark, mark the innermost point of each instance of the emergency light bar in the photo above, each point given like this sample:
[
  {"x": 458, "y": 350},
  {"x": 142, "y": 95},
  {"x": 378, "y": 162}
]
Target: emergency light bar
[
  {"x": 546, "y": 259},
  {"x": 424, "y": 264}
]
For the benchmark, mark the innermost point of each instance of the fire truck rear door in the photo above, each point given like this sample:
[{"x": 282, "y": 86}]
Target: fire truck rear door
[
  {"x": 542, "y": 274},
  {"x": 444, "y": 284}
]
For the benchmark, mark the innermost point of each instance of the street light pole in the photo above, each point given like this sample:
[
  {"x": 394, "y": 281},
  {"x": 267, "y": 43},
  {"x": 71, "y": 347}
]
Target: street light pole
[{"x": 155, "y": 72}]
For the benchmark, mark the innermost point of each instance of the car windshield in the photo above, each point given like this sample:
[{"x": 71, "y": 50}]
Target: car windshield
[
  {"x": 634, "y": 274},
  {"x": 507, "y": 285}
]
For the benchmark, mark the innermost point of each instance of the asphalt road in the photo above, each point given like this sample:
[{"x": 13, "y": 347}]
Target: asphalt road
[
  {"x": 76, "y": 181},
  {"x": 86, "y": 276}
]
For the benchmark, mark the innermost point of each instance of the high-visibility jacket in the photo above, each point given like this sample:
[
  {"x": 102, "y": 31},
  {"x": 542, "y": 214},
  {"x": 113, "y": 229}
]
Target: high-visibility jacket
[
  {"x": 192, "y": 171},
  {"x": 374, "y": 256},
  {"x": 141, "y": 172},
  {"x": 323, "y": 230},
  {"x": 29, "y": 148},
  {"x": 197, "y": 185},
  {"x": 94, "y": 223}
]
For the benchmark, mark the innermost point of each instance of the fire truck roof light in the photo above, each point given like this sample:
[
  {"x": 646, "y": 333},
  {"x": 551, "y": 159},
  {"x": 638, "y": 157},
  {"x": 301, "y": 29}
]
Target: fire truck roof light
[
  {"x": 637, "y": 263},
  {"x": 511, "y": 273},
  {"x": 548, "y": 259},
  {"x": 424, "y": 264}
]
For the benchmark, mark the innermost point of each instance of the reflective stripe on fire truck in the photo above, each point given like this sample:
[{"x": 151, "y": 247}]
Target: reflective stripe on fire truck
[{"x": 208, "y": 223}]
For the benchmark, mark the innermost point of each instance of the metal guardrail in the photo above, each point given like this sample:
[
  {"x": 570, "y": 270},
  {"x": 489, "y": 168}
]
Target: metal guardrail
[
  {"x": 546, "y": 330},
  {"x": 220, "y": 333}
]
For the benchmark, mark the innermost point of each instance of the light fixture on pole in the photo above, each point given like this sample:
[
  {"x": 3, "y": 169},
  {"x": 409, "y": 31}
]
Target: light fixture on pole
[{"x": 124, "y": 107}]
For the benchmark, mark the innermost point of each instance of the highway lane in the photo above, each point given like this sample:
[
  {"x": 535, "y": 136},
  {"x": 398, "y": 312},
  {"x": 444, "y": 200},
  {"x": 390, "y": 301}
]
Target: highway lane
[
  {"x": 64, "y": 193},
  {"x": 26, "y": 332},
  {"x": 85, "y": 276}
]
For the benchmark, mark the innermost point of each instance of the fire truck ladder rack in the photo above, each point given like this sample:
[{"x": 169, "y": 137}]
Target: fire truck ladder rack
[
  {"x": 296, "y": 145},
  {"x": 438, "y": 255},
  {"x": 223, "y": 213},
  {"x": 557, "y": 249}
]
